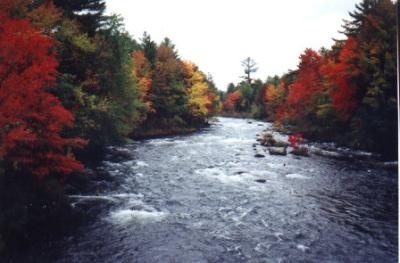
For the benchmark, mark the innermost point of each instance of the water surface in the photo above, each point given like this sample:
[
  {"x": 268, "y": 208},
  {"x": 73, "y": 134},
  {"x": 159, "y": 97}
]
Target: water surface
[{"x": 196, "y": 198}]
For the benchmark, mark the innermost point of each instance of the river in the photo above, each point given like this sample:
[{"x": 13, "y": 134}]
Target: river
[{"x": 196, "y": 198}]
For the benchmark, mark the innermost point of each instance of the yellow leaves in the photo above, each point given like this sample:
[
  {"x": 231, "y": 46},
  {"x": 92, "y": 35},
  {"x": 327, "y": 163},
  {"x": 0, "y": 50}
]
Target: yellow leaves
[
  {"x": 198, "y": 77},
  {"x": 198, "y": 99},
  {"x": 198, "y": 93},
  {"x": 274, "y": 97},
  {"x": 192, "y": 73},
  {"x": 275, "y": 94}
]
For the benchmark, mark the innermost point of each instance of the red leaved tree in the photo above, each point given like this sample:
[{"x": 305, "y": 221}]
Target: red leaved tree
[
  {"x": 340, "y": 76},
  {"x": 31, "y": 118},
  {"x": 307, "y": 84}
]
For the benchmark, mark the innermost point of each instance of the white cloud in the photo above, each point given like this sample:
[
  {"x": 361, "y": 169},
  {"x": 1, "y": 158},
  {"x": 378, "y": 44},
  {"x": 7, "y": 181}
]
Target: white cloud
[{"x": 218, "y": 34}]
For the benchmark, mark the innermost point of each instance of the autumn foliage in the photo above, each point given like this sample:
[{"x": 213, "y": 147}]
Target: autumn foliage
[
  {"x": 200, "y": 97},
  {"x": 295, "y": 140},
  {"x": 341, "y": 77},
  {"x": 143, "y": 74},
  {"x": 307, "y": 84},
  {"x": 31, "y": 117},
  {"x": 176, "y": 93},
  {"x": 347, "y": 93},
  {"x": 231, "y": 101}
]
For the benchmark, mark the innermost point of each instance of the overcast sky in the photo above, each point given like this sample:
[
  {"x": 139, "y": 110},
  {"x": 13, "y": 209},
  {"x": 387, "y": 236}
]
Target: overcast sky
[{"x": 218, "y": 34}]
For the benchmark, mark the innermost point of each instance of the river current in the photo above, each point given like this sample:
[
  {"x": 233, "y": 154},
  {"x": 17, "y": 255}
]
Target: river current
[{"x": 205, "y": 197}]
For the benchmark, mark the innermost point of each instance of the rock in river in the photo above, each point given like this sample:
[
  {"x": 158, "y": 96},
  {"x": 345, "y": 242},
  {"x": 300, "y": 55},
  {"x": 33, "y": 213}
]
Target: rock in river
[
  {"x": 259, "y": 155},
  {"x": 267, "y": 139},
  {"x": 262, "y": 181},
  {"x": 277, "y": 150}
]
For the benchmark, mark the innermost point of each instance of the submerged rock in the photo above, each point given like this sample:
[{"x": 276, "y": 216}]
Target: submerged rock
[
  {"x": 277, "y": 150},
  {"x": 262, "y": 181},
  {"x": 267, "y": 139},
  {"x": 280, "y": 144},
  {"x": 259, "y": 155},
  {"x": 301, "y": 151}
]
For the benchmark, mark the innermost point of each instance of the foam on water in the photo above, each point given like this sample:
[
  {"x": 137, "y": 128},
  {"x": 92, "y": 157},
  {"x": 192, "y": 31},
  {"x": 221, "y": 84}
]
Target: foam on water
[
  {"x": 165, "y": 142},
  {"x": 128, "y": 195},
  {"x": 126, "y": 216},
  {"x": 141, "y": 164},
  {"x": 275, "y": 165},
  {"x": 134, "y": 164},
  {"x": 222, "y": 176},
  {"x": 297, "y": 176},
  {"x": 302, "y": 248},
  {"x": 93, "y": 198},
  {"x": 263, "y": 174},
  {"x": 236, "y": 141}
]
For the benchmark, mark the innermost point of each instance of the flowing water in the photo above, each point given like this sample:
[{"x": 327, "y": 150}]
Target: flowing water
[{"x": 205, "y": 198}]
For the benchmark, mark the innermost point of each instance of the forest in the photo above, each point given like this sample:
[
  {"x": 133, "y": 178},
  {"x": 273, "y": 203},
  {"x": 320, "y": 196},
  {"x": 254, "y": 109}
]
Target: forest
[
  {"x": 73, "y": 81},
  {"x": 346, "y": 94}
]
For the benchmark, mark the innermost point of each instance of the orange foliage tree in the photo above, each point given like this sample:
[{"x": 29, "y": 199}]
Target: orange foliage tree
[
  {"x": 31, "y": 118},
  {"x": 143, "y": 74},
  {"x": 274, "y": 97},
  {"x": 231, "y": 101}
]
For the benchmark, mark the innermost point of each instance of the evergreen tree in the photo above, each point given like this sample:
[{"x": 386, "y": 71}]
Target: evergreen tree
[
  {"x": 88, "y": 13},
  {"x": 149, "y": 48}
]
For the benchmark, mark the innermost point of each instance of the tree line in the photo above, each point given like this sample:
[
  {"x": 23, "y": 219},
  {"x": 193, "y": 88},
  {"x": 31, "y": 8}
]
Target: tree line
[{"x": 345, "y": 94}]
